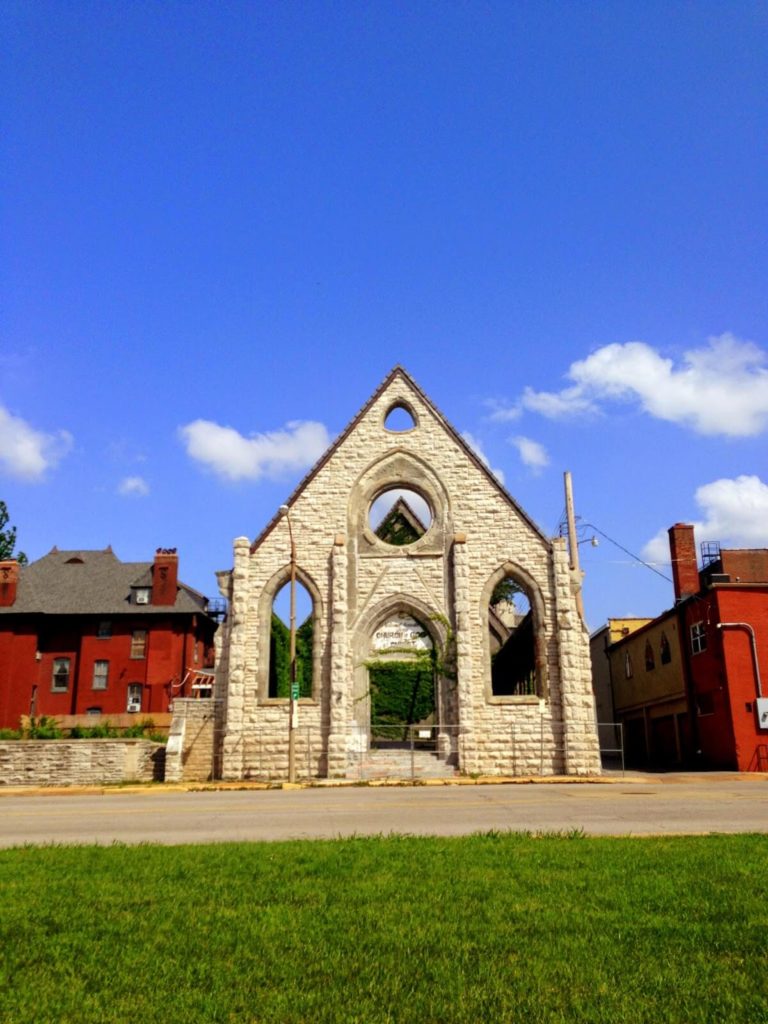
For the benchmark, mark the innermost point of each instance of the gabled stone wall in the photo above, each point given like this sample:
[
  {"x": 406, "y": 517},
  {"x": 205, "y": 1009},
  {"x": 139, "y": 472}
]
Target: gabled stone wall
[{"x": 444, "y": 579}]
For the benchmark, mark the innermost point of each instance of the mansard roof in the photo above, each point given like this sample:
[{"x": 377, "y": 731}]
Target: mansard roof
[
  {"x": 86, "y": 582},
  {"x": 401, "y": 373}
]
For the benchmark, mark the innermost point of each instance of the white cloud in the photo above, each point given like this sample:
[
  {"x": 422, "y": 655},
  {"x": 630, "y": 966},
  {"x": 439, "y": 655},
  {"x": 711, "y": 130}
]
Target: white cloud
[
  {"x": 27, "y": 453},
  {"x": 235, "y": 457},
  {"x": 721, "y": 388},
  {"x": 133, "y": 486},
  {"x": 533, "y": 454},
  {"x": 735, "y": 513},
  {"x": 501, "y": 413},
  {"x": 477, "y": 448}
]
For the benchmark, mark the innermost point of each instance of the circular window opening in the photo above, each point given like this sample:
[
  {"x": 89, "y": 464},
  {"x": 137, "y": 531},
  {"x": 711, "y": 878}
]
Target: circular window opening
[
  {"x": 399, "y": 516},
  {"x": 399, "y": 419}
]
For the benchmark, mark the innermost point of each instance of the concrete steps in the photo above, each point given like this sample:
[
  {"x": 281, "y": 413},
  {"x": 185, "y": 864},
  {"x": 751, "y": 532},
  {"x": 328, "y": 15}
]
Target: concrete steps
[{"x": 397, "y": 763}]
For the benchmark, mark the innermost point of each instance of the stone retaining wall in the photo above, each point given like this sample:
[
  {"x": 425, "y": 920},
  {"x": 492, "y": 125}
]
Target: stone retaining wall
[{"x": 80, "y": 762}]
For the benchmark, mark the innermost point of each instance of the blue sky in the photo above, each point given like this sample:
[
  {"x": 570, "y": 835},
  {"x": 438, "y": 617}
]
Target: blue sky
[{"x": 242, "y": 215}]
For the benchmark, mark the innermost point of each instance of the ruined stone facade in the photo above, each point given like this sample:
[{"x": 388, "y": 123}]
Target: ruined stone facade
[{"x": 478, "y": 536}]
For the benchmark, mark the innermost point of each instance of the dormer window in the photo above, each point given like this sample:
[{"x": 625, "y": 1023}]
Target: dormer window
[{"x": 142, "y": 595}]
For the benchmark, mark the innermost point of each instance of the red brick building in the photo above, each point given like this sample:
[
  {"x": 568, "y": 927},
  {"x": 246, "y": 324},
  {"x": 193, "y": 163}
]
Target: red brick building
[
  {"x": 83, "y": 633},
  {"x": 708, "y": 706}
]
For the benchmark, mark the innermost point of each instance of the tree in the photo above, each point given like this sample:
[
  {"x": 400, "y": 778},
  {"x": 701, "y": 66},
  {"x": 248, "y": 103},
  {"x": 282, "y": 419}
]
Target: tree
[
  {"x": 505, "y": 590},
  {"x": 8, "y": 538}
]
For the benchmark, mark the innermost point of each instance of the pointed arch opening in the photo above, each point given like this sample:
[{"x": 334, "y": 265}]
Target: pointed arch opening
[
  {"x": 274, "y": 671},
  {"x": 516, "y": 665},
  {"x": 279, "y": 685}
]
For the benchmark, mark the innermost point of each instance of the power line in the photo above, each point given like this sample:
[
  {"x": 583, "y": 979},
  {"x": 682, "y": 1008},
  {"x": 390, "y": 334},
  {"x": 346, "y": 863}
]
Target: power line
[{"x": 591, "y": 526}]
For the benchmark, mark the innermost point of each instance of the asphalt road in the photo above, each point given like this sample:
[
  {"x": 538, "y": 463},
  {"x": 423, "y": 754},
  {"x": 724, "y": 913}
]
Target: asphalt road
[{"x": 635, "y": 806}]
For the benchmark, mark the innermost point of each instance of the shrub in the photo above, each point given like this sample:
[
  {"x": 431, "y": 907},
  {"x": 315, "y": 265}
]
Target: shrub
[{"x": 43, "y": 728}]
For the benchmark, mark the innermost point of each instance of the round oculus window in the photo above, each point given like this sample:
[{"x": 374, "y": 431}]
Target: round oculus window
[{"x": 399, "y": 516}]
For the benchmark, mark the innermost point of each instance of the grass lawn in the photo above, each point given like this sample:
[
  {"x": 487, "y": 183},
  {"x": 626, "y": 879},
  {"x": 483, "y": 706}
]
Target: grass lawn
[{"x": 498, "y": 928}]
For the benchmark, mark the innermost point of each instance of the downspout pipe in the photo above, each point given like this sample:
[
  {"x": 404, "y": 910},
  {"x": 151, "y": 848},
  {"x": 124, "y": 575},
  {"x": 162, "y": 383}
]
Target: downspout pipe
[{"x": 747, "y": 628}]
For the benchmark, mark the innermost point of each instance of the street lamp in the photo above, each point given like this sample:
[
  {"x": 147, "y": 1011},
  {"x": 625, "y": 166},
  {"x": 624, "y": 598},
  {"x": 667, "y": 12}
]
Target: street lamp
[{"x": 293, "y": 705}]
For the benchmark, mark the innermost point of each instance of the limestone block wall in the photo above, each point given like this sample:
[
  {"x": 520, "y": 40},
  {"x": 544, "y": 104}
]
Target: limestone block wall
[
  {"x": 194, "y": 740},
  {"x": 445, "y": 578},
  {"x": 80, "y": 762}
]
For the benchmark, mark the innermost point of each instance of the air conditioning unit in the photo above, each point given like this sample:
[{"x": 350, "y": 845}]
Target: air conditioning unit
[
  {"x": 134, "y": 705},
  {"x": 142, "y": 597}
]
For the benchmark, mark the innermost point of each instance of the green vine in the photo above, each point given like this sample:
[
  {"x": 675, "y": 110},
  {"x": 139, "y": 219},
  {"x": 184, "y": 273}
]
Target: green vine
[{"x": 280, "y": 658}]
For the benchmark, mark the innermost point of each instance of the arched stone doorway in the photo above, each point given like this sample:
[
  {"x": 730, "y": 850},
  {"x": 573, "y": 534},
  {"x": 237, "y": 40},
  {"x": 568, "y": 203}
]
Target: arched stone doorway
[
  {"x": 400, "y": 685},
  {"x": 401, "y": 679}
]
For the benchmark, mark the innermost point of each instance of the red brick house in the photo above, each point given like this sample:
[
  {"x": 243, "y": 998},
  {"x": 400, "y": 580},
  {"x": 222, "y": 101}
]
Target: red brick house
[
  {"x": 83, "y": 633},
  {"x": 701, "y": 700}
]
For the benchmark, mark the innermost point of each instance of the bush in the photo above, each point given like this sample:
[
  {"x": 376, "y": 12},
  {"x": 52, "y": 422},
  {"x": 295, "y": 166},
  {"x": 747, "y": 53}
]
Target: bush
[{"x": 43, "y": 728}]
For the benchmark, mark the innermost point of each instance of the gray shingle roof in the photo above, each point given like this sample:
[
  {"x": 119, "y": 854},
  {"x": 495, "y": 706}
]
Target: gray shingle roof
[{"x": 91, "y": 583}]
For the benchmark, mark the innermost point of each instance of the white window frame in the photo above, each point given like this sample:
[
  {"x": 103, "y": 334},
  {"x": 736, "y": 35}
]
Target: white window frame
[
  {"x": 100, "y": 679},
  {"x": 698, "y": 637},
  {"x": 134, "y": 690},
  {"x": 55, "y": 675}
]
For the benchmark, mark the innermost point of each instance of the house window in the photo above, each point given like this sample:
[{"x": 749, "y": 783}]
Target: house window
[
  {"x": 650, "y": 661},
  {"x": 100, "y": 675},
  {"x": 698, "y": 637},
  {"x": 139, "y": 643},
  {"x": 134, "y": 697},
  {"x": 104, "y": 632},
  {"x": 705, "y": 704},
  {"x": 93, "y": 711},
  {"x": 627, "y": 665},
  {"x": 665, "y": 650},
  {"x": 60, "y": 674},
  {"x": 142, "y": 595}
]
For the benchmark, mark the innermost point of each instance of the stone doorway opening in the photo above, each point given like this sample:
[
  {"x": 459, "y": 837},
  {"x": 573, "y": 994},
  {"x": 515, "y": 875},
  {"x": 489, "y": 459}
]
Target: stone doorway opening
[
  {"x": 402, "y": 683},
  {"x": 402, "y": 695}
]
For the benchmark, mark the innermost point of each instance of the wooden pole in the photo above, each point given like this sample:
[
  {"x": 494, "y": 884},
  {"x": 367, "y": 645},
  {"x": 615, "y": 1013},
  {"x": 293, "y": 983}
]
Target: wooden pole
[{"x": 573, "y": 544}]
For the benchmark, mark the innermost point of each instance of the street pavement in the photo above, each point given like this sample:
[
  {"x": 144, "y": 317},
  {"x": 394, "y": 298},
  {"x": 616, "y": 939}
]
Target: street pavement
[{"x": 634, "y": 805}]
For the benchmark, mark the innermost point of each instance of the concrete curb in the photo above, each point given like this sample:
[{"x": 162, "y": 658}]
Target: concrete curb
[
  {"x": 204, "y": 787},
  {"x": 159, "y": 788}
]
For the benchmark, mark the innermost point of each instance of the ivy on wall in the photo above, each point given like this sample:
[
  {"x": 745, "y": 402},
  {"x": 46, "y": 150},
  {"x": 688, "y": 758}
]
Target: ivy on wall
[
  {"x": 402, "y": 692},
  {"x": 280, "y": 658}
]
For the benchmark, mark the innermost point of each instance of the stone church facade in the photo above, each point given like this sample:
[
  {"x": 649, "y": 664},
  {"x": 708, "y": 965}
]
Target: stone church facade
[{"x": 360, "y": 585}]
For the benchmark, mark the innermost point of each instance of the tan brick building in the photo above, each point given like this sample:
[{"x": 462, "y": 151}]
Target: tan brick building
[{"x": 438, "y": 586}]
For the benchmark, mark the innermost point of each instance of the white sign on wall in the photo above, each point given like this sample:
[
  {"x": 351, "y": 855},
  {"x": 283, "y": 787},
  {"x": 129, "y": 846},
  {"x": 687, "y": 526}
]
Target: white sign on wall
[{"x": 401, "y": 632}]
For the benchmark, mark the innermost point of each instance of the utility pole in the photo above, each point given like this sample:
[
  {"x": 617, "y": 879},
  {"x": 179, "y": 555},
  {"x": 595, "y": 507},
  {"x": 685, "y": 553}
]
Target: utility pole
[
  {"x": 573, "y": 544},
  {"x": 293, "y": 704}
]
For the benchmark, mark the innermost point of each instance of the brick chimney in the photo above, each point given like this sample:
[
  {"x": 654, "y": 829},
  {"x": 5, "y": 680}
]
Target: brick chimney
[
  {"x": 165, "y": 574},
  {"x": 9, "y": 582},
  {"x": 685, "y": 569}
]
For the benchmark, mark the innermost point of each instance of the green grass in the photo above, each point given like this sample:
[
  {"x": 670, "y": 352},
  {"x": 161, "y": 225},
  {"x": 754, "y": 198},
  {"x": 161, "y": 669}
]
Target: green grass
[{"x": 497, "y": 928}]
